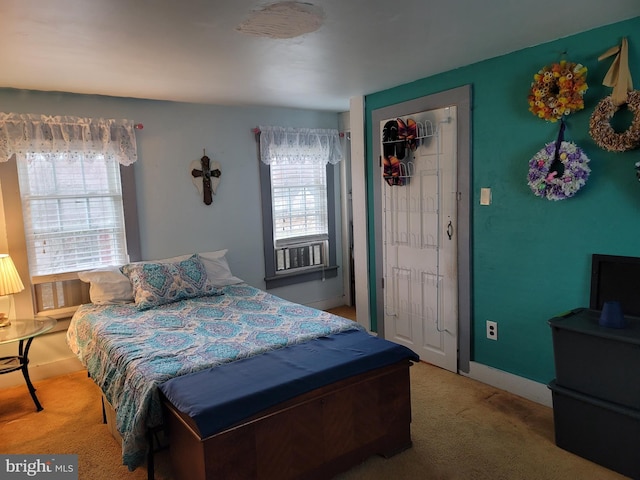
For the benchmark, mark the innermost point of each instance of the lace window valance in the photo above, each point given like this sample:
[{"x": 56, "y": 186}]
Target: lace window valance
[
  {"x": 23, "y": 134},
  {"x": 299, "y": 145}
]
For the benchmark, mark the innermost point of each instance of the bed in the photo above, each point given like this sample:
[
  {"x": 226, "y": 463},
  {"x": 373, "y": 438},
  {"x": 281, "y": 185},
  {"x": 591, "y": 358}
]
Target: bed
[{"x": 188, "y": 319}]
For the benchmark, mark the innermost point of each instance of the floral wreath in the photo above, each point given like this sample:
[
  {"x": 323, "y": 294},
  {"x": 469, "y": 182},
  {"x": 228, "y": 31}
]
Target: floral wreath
[
  {"x": 557, "y": 90},
  {"x": 558, "y": 171},
  {"x": 604, "y": 135}
]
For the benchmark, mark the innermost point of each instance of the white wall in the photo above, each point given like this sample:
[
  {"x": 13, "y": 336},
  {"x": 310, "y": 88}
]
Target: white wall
[{"x": 173, "y": 218}]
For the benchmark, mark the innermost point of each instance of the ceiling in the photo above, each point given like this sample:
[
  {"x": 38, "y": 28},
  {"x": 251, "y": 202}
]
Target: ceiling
[{"x": 192, "y": 50}]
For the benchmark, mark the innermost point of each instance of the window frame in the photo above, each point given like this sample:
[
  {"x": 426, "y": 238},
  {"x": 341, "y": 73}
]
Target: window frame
[
  {"x": 64, "y": 217},
  {"x": 307, "y": 274},
  {"x": 16, "y": 241}
]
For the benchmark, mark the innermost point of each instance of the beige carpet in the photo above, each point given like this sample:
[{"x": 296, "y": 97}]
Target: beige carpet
[{"x": 461, "y": 429}]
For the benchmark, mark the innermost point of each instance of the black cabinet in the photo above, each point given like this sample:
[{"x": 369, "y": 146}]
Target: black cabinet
[{"x": 596, "y": 392}]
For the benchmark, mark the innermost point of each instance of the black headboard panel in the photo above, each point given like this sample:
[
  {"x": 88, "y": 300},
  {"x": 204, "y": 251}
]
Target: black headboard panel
[{"x": 615, "y": 278}]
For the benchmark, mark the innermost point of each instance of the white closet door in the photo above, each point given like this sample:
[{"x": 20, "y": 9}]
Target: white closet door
[{"x": 420, "y": 253}]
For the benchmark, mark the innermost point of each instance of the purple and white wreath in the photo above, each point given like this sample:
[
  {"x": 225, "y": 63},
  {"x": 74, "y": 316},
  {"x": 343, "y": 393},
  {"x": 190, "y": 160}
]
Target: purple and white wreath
[{"x": 551, "y": 185}]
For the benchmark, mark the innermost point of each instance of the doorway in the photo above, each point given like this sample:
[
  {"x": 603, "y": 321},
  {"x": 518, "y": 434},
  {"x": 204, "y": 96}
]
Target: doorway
[{"x": 422, "y": 225}]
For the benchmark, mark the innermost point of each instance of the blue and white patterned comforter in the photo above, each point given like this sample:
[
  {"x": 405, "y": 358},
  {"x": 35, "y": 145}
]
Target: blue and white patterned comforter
[{"x": 128, "y": 352}]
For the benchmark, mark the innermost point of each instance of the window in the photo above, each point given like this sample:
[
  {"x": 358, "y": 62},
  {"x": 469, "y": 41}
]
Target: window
[
  {"x": 72, "y": 190},
  {"x": 73, "y": 213},
  {"x": 73, "y": 219},
  {"x": 300, "y": 218},
  {"x": 298, "y": 204}
]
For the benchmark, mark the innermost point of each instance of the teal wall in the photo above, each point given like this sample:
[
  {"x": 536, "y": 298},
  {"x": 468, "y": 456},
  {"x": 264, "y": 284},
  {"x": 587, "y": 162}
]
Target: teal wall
[{"x": 531, "y": 256}]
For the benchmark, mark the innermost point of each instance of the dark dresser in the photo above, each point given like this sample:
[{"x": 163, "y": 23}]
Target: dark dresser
[{"x": 596, "y": 392}]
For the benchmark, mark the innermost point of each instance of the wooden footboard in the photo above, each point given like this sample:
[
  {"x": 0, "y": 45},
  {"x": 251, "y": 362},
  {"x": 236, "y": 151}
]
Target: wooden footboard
[{"x": 313, "y": 436}]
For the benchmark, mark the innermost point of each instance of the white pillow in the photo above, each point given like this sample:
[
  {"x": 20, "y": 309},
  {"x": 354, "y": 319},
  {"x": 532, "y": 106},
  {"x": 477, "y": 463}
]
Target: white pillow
[
  {"x": 217, "y": 267},
  {"x": 108, "y": 286}
]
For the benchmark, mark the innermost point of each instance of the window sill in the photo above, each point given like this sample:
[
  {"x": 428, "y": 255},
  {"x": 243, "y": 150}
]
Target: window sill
[
  {"x": 285, "y": 279},
  {"x": 63, "y": 315},
  {"x": 58, "y": 313}
]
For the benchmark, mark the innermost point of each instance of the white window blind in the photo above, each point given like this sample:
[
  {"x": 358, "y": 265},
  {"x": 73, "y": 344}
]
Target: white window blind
[
  {"x": 73, "y": 213},
  {"x": 299, "y": 202}
]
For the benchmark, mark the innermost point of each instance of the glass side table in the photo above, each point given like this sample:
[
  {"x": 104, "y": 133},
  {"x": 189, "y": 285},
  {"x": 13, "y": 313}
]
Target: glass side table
[{"x": 21, "y": 331}]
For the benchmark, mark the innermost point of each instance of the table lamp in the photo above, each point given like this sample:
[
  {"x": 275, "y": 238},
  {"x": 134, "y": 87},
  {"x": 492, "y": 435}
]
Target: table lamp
[{"x": 10, "y": 283}]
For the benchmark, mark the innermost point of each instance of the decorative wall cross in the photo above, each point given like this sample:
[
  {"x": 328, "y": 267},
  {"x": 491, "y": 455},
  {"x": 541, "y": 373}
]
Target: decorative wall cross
[{"x": 210, "y": 174}]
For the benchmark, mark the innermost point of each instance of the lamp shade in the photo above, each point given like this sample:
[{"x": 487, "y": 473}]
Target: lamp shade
[{"x": 9, "y": 279}]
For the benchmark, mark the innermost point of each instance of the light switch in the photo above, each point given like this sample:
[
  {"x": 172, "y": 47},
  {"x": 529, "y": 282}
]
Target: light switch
[{"x": 485, "y": 196}]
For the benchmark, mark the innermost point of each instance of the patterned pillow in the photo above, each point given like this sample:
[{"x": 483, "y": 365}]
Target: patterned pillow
[{"x": 161, "y": 283}]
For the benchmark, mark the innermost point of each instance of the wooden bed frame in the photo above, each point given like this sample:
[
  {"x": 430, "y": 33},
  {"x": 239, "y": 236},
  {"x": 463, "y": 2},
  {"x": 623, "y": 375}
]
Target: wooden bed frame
[{"x": 313, "y": 436}]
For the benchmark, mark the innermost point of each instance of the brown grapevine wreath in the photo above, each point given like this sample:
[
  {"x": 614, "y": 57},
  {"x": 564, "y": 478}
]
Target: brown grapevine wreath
[{"x": 604, "y": 135}]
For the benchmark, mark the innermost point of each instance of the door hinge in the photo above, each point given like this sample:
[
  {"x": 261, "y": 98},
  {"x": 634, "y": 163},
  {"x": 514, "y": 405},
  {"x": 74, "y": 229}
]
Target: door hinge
[{"x": 382, "y": 279}]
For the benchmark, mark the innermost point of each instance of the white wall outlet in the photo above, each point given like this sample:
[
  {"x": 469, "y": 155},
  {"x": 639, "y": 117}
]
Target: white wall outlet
[{"x": 492, "y": 330}]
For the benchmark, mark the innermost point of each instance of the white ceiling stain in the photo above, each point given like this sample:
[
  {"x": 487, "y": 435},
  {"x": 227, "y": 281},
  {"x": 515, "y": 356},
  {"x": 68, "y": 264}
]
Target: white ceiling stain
[{"x": 283, "y": 20}]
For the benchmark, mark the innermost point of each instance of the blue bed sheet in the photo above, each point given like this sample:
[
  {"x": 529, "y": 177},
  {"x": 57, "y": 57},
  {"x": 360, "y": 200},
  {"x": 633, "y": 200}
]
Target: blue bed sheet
[{"x": 220, "y": 397}]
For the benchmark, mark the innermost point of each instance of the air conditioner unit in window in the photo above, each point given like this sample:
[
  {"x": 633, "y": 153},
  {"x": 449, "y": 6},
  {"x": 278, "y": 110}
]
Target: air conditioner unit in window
[{"x": 301, "y": 256}]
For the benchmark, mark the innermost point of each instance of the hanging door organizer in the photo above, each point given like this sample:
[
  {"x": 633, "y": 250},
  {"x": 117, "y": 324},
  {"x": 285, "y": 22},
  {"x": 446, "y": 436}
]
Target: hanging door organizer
[{"x": 402, "y": 137}]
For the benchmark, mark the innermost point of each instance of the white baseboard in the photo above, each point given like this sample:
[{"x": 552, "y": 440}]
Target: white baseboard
[
  {"x": 534, "y": 391},
  {"x": 41, "y": 372}
]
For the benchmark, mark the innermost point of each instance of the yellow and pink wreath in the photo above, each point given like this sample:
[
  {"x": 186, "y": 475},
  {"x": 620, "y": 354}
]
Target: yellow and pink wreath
[{"x": 557, "y": 90}]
